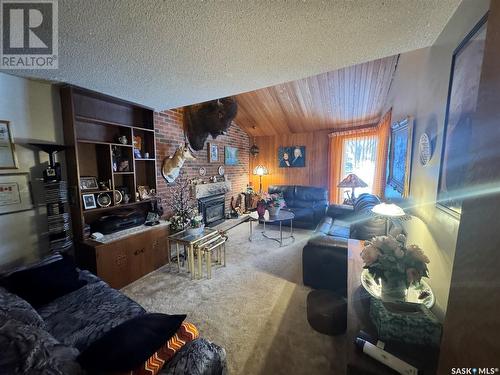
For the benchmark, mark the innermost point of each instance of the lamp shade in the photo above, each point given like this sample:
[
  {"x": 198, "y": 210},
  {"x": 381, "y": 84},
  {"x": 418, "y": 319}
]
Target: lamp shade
[
  {"x": 260, "y": 170},
  {"x": 388, "y": 210},
  {"x": 352, "y": 181}
]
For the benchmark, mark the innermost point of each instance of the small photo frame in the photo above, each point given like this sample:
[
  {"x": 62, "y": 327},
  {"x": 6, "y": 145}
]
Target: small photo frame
[
  {"x": 8, "y": 158},
  {"x": 89, "y": 201},
  {"x": 213, "y": 153},
  {"x": 88, "y": 183}
]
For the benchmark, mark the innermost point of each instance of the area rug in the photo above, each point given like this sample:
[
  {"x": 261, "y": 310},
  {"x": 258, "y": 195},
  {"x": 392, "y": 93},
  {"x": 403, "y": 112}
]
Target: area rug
[{"x": 255, "y": 307}]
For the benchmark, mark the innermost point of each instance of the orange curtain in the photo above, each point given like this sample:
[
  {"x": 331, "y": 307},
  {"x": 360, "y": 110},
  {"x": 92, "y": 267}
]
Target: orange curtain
[{"x": 381, "y": 131}]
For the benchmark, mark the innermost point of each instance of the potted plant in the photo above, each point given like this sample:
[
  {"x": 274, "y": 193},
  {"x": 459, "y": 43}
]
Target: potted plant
[{"x": 394, "y": 265}]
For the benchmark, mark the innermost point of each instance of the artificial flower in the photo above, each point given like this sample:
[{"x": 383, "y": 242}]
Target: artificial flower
[
  {"x": 370, "y": 254},
  {"x": 417, "y": 253}
]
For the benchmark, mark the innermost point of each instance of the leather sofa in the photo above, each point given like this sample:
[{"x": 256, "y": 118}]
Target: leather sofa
[
  {"x": 324, "y": 258},
  {"x": 308, "y": 203}
]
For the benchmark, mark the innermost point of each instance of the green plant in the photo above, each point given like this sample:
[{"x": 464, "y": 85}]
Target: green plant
[{"x": 387, "y": 258}]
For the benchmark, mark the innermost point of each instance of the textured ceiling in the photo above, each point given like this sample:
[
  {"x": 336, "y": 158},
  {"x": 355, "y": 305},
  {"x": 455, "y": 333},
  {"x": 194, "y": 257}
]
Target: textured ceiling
[
  {"x": 166, "y": 54},
  {"x": 345, "y": 98}
]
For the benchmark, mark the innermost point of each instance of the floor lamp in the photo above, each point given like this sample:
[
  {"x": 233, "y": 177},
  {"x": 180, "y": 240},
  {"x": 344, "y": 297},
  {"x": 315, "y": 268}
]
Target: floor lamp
[
  {"x": 260, "y": 171},
  {"x": 388, "y": 211}
]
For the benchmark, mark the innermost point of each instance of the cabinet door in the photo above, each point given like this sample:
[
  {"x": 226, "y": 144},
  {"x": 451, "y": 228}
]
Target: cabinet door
[
  {"x": 114, "y": 265},
  {"x": 138, "y": 247},
  {"x": 159, "y": 253}
]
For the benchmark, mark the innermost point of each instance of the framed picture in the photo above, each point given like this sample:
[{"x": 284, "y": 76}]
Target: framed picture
[
  {"x": 292, "y": 157},
  {"x": 213, "y": 153},
  {"x": 15, "y": 193},
  {"x": 88, "y": 183},
  {"x": 89, "y": 201},
  {"x": 231, "y": 155},
  {"x": 400, "y": 153},
  {"x": 8, "y": 159},
  {"x": 462, "y": 101}
]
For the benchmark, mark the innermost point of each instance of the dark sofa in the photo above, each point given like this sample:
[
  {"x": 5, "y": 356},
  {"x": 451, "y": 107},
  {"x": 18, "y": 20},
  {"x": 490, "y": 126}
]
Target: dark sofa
[
  {"x": 324, "y": 258},
  {"x": 48, "y": 339},
  {"x": 308, "y": 203}
]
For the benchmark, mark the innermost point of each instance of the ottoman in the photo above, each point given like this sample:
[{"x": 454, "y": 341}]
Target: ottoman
[{"x": 327, "y": 312}]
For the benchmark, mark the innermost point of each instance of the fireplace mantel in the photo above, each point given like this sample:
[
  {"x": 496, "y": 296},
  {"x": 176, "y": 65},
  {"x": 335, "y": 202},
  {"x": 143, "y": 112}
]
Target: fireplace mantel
[{"x": 214, "y": 188}]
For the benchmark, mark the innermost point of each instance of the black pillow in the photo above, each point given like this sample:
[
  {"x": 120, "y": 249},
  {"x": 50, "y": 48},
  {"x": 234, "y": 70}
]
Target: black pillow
[
  {"x": 43, "y": 284},
  {"x": 128, "y": 345}
]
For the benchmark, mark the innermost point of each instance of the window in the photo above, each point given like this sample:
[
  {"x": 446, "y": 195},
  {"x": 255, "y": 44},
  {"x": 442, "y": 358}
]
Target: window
[{"x": 359, "y": 156}]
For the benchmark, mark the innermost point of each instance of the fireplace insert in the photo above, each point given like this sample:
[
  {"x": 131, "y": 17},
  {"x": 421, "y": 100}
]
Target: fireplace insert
[{"x": 213, "y": 209}]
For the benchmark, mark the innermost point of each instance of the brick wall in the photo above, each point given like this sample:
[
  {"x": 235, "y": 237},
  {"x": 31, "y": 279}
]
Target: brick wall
[{"x": 169, "y": 135}]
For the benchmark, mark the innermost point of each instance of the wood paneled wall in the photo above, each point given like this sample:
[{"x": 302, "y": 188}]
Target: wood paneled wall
[{"x": 315, "y": 173}]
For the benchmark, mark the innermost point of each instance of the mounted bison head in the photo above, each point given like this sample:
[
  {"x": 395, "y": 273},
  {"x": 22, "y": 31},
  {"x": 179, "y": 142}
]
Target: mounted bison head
[{"x": 213, "y": 117}]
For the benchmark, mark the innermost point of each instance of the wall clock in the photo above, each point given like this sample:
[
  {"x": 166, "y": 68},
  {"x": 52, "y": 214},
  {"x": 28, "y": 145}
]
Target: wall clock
[
  {"x": 202, "y": 171},
  {"x": 221, "y": 170},
  {"x": 424, "y": 149}
]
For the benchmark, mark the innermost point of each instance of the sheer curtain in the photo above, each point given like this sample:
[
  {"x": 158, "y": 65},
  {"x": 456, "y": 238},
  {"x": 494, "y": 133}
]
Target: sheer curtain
[{"x": 363, "y": 152}]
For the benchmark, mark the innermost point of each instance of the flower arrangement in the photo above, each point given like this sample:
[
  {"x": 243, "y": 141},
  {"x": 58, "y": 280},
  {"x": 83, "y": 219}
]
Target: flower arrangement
[
  {"x": 196, "y": 221},
  {"x": 388, "y": 259},
  {"x": 272, "y": 200}
]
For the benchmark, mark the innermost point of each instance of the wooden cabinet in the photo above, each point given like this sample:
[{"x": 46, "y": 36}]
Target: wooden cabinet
[{"x": 125, "y": 260}]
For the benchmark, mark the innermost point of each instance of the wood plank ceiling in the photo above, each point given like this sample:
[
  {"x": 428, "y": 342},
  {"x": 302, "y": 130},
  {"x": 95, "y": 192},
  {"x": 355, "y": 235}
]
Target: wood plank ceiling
[{"x": 345, "y": 98}]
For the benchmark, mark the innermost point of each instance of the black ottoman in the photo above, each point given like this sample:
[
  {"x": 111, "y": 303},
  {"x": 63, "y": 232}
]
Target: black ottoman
[{"x": 327, "y": 312}]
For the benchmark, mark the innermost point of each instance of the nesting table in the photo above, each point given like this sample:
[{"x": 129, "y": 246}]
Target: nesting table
[
  {"x": 280, "y": 218},
  {"x": 202, "y": 246}
]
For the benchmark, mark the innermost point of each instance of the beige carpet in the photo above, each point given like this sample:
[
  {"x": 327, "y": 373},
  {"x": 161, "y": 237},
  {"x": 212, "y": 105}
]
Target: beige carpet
[{"x": 255, "y": 307}]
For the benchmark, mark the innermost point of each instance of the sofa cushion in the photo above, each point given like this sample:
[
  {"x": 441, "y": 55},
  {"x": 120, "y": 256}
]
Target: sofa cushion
[
  {"x": 302, "y": 214},
  {"x": 81, "y": 317},
  {"x": 27, "y": 349},
  {"x": 128, "y": 346},
  {"x": 14, "y": 307},
  {"x": 340, "y": 228},
  {"x": 310, "y": 193},
  {"x": 42, "y": 284}
]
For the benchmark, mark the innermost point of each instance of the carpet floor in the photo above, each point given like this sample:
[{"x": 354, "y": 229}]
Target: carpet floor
[{"x": 255, "y": 307}]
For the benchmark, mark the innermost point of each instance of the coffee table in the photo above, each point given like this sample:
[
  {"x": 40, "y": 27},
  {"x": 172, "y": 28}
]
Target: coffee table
[{"x": 280, "y": 218}]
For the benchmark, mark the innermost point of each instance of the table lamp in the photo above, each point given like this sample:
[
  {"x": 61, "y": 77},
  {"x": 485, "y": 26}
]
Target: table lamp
[
  {"x": 260, "y": 171},
  {"x": 388, "y": 211},
  {"x": 352, "y": 181}
]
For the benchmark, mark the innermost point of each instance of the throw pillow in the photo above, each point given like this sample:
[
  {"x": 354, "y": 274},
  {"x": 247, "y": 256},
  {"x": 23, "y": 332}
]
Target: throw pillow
[
  {"x": 14, "y": 307},
  {"x": 186, "y": 333},
  {"x": 130, "y": 344},
  {"x": 42, "y": 284}
]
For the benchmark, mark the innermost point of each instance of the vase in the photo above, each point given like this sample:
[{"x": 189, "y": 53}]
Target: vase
[
  {"x": 261, "y": 210},
  {"x": 195, "y": 231},
  {"x": 274, "y": 210},
  {"x": 393, "y": 290}
]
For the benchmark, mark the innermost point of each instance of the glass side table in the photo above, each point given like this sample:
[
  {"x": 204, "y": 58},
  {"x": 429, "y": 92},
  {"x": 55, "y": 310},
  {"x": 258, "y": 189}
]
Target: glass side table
[{"x": 189, "y": 241}]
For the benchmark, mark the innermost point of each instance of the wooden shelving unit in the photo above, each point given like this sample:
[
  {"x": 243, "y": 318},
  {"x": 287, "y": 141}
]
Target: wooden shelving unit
[
  {"x": 93, "y": 125},
  {"x": 100, "y": 132}
]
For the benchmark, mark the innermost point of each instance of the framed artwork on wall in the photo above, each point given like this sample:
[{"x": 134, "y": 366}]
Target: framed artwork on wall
[
  {"x": 8, "y": 159},
  {"x": 15, "y": 193},
  {"x": 231, "y": 155},
  {"x": 460, "y": 108},
  {"x": 292, "y": 157},
  {"x": 213, "y": 153},
  {"x": 400, "y": 153}
]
